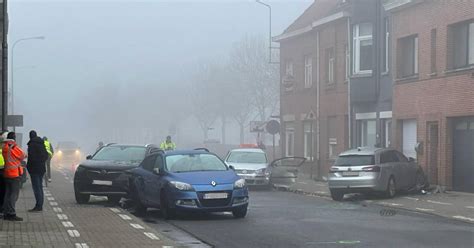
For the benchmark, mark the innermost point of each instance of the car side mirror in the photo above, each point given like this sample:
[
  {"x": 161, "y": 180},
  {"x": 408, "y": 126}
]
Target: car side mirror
[
  {"x": 410, "y": 159},
  {"x": 232, "y": 167},
  {"x": 89, "y": 157}
]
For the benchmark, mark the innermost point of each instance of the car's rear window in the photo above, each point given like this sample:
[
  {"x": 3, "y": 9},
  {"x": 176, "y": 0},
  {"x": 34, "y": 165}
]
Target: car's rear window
[
  {"x": 247, "y": 157},
  {"x": 355, "y": 160},
  {"x": 134, "y": 154}
]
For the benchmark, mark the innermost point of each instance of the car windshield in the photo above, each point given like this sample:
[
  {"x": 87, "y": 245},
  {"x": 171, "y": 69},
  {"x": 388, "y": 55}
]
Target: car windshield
[
  {"x": 194, "y": 162},
  {"x": 133, "y": 154},
  {"x": 247, "y": 157},
  {"x": 355, "y": 160}
]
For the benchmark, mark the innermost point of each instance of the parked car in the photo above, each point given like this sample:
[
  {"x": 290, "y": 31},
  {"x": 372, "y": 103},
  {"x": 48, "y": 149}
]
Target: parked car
[
  {"x": 250, "y": 164},
  {"x": 103, "y": 173},
  {"x": 187, "y": 180},
  {"x": 374, "y": 170}
]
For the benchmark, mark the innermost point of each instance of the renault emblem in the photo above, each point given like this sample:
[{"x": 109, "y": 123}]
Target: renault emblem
[
  {"x": 213, "y": 183},
  {"x": 103, "y": 172}
]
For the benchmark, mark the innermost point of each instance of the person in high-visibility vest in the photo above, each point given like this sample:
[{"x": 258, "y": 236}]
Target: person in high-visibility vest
[
  {"x": 168, "y": 145},
  {"x": 12, "y": 172},
  {"x": 50, "y": 150},
  {"x": 2, "y": 165}
]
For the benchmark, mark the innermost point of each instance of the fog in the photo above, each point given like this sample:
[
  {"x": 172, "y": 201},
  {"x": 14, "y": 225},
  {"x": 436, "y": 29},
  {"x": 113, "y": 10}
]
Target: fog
[{"x": 124, "y": 71}]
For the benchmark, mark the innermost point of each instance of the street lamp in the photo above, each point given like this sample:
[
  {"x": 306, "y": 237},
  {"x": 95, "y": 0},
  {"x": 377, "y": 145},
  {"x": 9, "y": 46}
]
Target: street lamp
[{"x": 269, "y": 30}]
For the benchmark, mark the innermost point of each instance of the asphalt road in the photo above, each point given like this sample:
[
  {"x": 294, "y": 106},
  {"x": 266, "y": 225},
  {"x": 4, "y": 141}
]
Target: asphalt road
[{"x": 283, "y": 219}]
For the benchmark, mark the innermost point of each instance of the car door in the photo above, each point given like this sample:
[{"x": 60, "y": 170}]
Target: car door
[
  {"x": 284, "y": 171},
  {"x": 155, "y": 182},
  {"x": 409, "y": 170},
  {"x": 141, "y": 177}
]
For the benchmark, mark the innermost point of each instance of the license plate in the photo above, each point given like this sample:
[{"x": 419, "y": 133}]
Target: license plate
[
  {"x": 210, "y": 196},
  {"x": 350, "y": 174},
  {"x": 100, "y": 182}
]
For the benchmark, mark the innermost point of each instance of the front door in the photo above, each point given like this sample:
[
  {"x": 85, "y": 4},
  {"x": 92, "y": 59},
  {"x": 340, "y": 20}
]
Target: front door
[
  {"x": 433, "y": 153},
  {"x": 284, "y": 171},
  {"x": 463, "y": 155}
]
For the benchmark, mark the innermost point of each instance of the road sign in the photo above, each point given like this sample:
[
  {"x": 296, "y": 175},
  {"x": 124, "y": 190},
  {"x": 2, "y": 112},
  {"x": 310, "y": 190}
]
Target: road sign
[
  {"x": 273, "y": 127},
  {"x": 257, "y": 126},
  {"x": 14, "y": 121}
]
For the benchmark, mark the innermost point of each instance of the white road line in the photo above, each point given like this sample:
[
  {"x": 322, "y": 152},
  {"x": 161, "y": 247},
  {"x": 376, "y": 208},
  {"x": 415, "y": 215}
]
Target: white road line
[
  {"x": 53, "y": 203},
  {"x": 67, "y": 224},
  {"x": 47, "y": 194},
  {"x": 67, "y": 178},
  {"x": 115, "y": 210},
  {"x": 62, "y": 217},
  {"x": 151, "y": 236},
  {"x": 463, "y": 218},
  {"x": 391, "y": 204},
  {"x": 81, "y": 245},
  {"x": 321, "y": 192},
  {"x": 440, "y": 203},
  {"x": 411, "y": 198},
  {"x": 137, "y": 226},
  {"x": 125, "y": 217},
  {"x": 303, "y": 183},
  {"x": 50, "y": 198},
  {"x": 470, "y": 207},
  {"x": 425, "y": 209},
  {"x": 57, "y": 210},
  {"x": 74, "y": 233},
  {"x": 167, "y": 246}
]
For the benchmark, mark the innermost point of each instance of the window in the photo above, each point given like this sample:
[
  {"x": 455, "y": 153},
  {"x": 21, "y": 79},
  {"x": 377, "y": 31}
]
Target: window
[
  {"x": 355, "y": 160},
  {"x": 388, "y": 157},
  {"x": 289, "y": 68},
  {"x": 388, "y": 132},
  {"x": 386, "y": 45},
  {"x": 332, "y": 134},
  {"x": 433, "y": 51},
  {"x": 308, "y": 71},
  {"x": 194, "y": 162},
  {"x": 330, "y": 63},
  {"x": 149, "y": 163},
  {"x": 463, "y": 45},
  {"x": 290, "y": 139},
  {"x": 408, "y": 56},
  {"x": 133, "y": 154},
  {"x": 308, "y": 140},
  {"x": 247, "y": 157},
  {"x": 367, "y": 132},
  {"x": 363, "y": 48},
  {"x": 347, "y": 62}
]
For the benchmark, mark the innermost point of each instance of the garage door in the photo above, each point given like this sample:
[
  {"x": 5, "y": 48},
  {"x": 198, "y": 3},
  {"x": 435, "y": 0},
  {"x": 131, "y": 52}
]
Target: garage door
[
  {"x": 463, "y": 155},
  {"x": 409, "y": 138}
]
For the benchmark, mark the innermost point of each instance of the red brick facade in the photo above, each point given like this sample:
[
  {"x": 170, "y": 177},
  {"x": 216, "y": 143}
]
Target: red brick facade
[{"x": 437, "y": 94}]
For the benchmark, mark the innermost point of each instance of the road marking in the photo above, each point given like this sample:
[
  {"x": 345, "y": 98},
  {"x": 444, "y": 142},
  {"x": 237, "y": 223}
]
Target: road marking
[
  {"x": 72, "y": 181},
  {"x": 345, "y": 242},
  {"x": 470, "y": 207},
  {"x": 440, "y": 203},
  {"x": 50, "y": 198},
  {"x": 463, "y": 218},
  {"x": 62, "y": 217},
  {"x": 167, "y": 246},
  {"x": 67, "y": 224},
  {"x": 321, "y": 192},
  {"x": 425, "y": 209},
  {"x": 57, "y": 210},
  {"x": 81, "y": 245},
  {"x": 303, "y": 183},
  {"x": 47, "y": 194},
  {"x": 151, "y": 236},
  {"x": 411, "y": 198},
  {"x": 137, "y": 226},
  {"x": 53, "y": 203},
  {"x": 125, "y": 217},
  {"x": 391, "y": 204},
  {"x": 67, "y": 178},
  {"x": 74, "y": 233},
  {"x": 115, "y": 210}
]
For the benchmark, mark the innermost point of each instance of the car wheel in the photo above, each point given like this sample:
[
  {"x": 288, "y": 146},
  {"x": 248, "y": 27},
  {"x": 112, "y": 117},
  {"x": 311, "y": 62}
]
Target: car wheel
[
  {"x": 81, "y": 198},
  {"x": 167, "y": 212},
  {"x": 114, "y": 199},
  {"x": 337, "y": 195},
  {"x": 391, "y": 190},
  {"x": 240, "y": 212}
]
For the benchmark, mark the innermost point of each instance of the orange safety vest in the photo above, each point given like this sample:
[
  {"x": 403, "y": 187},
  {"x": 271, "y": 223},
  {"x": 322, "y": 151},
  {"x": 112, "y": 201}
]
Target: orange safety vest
[{"x": 13, "y": 156}]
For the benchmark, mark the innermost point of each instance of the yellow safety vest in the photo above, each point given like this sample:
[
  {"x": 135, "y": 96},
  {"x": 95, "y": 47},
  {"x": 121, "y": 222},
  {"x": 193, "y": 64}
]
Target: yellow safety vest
[
  {"x": 48, "y": 147},
  {"x": 2, "y": 161},
  {"x": 168, "y": 146}
]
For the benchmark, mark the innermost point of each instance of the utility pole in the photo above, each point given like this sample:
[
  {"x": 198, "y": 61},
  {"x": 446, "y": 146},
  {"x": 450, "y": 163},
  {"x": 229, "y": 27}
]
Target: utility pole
[{"x": 4, "y": 56}]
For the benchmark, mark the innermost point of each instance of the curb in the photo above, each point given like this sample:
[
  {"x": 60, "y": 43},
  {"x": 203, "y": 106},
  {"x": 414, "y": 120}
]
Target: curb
[{"x": 302, "y": 192}]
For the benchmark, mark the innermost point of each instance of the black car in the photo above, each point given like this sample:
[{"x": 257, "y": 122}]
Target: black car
[{"x": 103, "y": 173}]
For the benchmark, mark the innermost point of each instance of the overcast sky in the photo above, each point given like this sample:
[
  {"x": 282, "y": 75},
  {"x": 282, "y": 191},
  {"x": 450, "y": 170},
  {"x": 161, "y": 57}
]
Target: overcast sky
[{"x": 129, "y": 41}]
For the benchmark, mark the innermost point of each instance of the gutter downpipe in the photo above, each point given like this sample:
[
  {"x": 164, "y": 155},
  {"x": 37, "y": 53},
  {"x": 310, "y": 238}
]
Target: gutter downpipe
[
  {"x": 349, "y": 104},
  {"x": 318, "y": 115}
]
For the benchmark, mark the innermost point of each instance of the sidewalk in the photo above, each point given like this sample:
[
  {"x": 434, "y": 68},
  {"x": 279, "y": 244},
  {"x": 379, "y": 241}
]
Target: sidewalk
[
  {"x": 63, "y": 223},
  {"x": 453, "y": 205}
]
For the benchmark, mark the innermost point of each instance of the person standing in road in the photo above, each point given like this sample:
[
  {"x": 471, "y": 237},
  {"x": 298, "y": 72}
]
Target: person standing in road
[
  {"x": 50, "y": 150},
  {"x": 168, "y": 144},
  {"x": 37, "y": 157},
  {"x": 2, "y": 165},
  {"x": 12, "y": 173}
]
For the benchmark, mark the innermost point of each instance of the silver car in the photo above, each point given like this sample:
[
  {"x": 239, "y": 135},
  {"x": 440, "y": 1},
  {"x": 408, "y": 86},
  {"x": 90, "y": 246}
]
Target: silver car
[
  {"x": 250, "y": 164},
  {"x": 374, "y": 170}
]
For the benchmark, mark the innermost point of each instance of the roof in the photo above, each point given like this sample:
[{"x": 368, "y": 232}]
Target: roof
[
  {"x": 186, "y": 152},
  {"x": 256, "y": 150},
  {"x": 362, "y": 151},
  {"x": 319, "y": 10},
  {"x": 131, "y": 145}
]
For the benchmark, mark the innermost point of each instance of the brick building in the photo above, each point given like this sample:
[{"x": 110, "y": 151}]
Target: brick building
[{"x": 433, "y": 102}]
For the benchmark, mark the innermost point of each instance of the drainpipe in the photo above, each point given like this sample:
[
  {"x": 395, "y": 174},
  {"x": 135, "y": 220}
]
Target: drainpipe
[
  {"x": 318, "y": 97},
  {"x": 349, "y": 104}
]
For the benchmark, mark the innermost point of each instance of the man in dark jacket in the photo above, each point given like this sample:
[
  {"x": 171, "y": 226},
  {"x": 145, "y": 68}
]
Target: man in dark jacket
[{"x": 37, "y": 156}]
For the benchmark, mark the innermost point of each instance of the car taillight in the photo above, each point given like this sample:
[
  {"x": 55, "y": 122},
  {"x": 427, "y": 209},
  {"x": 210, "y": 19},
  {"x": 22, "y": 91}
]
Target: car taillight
[
  {"x": 371, "y": 168},
  {"x": 333, "y": 169}
]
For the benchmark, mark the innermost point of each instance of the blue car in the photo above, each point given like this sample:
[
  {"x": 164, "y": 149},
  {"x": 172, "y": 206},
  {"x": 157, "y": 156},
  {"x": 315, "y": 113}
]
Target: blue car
[{"x": 191, "y": 180}]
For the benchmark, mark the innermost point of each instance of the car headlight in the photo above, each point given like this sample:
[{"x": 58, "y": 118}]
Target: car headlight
[
  {"x": 262, "y": 171},
  {"x": 239, "y": 184},
  {"x": 181, "y": 186}
]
